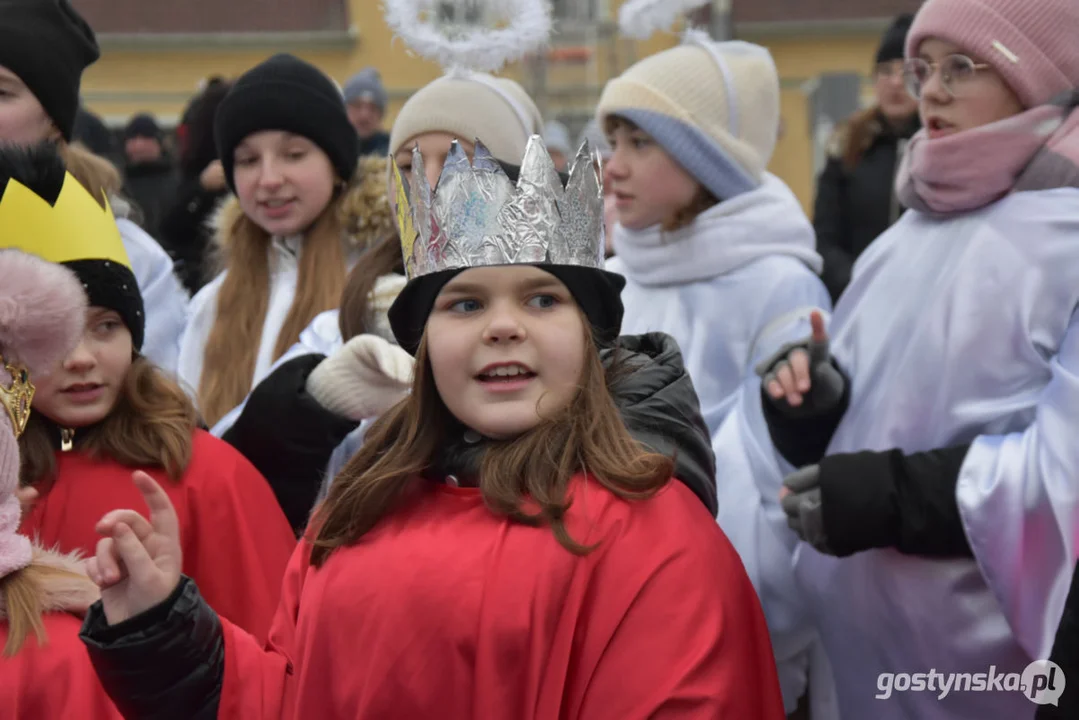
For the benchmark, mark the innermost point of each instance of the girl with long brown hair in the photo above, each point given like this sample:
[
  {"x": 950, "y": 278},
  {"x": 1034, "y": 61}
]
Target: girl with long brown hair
[
  {"x": 301, "y": 218},
  {"x": 103, "y": 410},
  {"x": 501, "y": 546}
]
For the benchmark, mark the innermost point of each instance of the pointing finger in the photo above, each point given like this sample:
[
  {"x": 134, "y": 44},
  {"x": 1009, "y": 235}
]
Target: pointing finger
[
  {"x": 818, "y": 344},
  {"x": 162, "y": 513},
  {"x": 816, "y": 321}
]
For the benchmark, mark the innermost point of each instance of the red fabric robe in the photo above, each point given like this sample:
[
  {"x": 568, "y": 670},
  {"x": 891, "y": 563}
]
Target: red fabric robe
[
  {"x": 447, "y": 611},
  {"x": 235, "y": 538},
  {"x": 54, "y": 681}
]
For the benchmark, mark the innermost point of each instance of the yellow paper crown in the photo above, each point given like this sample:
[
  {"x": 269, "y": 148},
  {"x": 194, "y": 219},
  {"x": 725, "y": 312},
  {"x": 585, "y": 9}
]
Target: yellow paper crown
[{"x": 76, "y": 227}]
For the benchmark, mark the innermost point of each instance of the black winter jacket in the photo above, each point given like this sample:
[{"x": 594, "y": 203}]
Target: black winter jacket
[
  {"x": 170, "y": 659},
  {"x": 854, "y": 205},
  {"x": 152, "y": 186},
  {"x": 185, "y": 231}
]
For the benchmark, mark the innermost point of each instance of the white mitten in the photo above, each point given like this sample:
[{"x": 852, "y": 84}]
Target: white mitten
[{"x": 362, "y": 379}]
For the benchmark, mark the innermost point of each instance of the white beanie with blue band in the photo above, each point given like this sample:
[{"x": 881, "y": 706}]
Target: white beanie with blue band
[{"x": 712, "y": 106}]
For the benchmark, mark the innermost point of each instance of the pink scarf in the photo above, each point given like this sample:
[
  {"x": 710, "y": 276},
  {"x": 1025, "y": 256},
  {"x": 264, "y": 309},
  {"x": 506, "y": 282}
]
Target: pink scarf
[{"x": 1034, "y": 150}]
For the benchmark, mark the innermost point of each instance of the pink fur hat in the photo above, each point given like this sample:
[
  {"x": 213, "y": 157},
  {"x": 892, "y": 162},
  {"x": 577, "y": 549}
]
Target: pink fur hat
[{"x": 42, "y": 313}]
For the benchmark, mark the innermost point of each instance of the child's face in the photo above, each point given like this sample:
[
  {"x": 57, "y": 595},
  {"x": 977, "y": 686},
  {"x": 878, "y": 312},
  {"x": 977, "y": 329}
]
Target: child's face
[
  {"x": 649, "y": 187},
  {"x": 434, "y": 147},
  {"x": 977, "y": 97},
  {"x": 85, "y": 387},
  {"x": 283, "y": 181},
  {"x": 506, "y": 346}
]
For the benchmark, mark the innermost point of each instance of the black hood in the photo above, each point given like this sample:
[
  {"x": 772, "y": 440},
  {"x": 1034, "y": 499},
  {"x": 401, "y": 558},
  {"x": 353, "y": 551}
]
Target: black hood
[{"x": 659, "y": 405}]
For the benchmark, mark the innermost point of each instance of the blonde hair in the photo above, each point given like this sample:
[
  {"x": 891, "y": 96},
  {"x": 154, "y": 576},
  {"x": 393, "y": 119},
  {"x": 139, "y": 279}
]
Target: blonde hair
[
  {"x": 22, "y": 597},
  {"x": 360, "y": 210},
  {"x": 99, "y": 176}
]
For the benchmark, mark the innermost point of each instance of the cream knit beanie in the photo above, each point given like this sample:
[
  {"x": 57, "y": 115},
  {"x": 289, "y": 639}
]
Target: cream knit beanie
[
  {"x": 498, "y": 111},
  {"x": 714, "y": 107}
]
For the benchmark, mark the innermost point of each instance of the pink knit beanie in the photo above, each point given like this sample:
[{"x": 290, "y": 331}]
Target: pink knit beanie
[
  {"x": 1032, "y": 44},
  {"x": 42, "y": 312}
]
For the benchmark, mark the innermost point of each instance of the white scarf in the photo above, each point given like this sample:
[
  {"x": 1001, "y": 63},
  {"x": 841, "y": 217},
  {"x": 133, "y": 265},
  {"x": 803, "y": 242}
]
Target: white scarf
[{"x": 727, "y": 236}]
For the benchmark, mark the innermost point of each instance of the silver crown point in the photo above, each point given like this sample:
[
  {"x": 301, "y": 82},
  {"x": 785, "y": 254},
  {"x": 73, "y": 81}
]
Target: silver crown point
[
  {"x": 580, "y": 237},
  {"x": 476, "y": 217},
  {"x": 538, "y": 169},
  {"x": 483, "y": 160}
]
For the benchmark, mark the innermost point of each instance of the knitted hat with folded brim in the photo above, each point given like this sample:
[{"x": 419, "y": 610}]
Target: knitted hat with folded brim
[
  {"x": 48, "y": 45},
  {"x": 470, "y": 105},
  {"x": 288, "y": 94},
  {"x": 1032, "y": 44},
  {"x": 713, "y": 107}
]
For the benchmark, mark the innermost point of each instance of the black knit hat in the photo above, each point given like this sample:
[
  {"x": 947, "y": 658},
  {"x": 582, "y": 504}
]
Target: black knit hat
[
  {"x": 597, "y": 292},
  {"x": 286, "y": 93},
  {"x": 112, "y": 285},
  {"x": 895, "y": 39},
  {"x": 48, "y": 45},
  {"x": 143, "y": 125}
]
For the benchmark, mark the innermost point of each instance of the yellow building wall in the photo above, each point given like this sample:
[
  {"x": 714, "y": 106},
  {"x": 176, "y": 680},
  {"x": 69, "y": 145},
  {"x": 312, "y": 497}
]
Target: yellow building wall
[
  {"x": 800, "y": 61},
  {"x": 162, "y": 79}
]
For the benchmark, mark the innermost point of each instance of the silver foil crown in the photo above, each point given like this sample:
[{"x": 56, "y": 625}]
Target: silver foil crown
[{"x": 477, "y": 217}]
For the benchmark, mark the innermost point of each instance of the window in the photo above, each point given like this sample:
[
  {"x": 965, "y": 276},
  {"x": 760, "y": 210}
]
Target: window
[{"x": 579, "y": 10}]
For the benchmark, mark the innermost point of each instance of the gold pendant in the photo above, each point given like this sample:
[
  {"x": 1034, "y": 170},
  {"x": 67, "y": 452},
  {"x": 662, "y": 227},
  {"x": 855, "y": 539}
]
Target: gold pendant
[
  {"x": 17, "y": 398},
  {"x": 67, "y": 439}
]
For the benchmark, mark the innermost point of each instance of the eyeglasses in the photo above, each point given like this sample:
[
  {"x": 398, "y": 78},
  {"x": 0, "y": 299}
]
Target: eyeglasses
[{"x": 955, "y": 71}]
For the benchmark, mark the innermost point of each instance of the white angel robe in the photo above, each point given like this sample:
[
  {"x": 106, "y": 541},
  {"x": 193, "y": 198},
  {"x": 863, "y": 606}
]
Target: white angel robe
[{"x": 954, "y": 331}]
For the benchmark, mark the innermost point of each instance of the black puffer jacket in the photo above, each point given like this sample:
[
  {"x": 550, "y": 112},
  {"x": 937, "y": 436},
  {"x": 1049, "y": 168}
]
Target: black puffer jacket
[
  {"x": 169, "y": 661},
  {"x": 289, "y": 437},
  {"x": 659, "y": 406}
]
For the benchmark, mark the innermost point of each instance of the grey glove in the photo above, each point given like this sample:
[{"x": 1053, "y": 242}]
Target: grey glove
[
  {"x": 827, "y": 383},
  {"x": 803, "y": 507}
]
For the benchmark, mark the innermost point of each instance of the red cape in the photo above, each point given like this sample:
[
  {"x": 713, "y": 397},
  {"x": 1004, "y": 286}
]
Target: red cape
[
  {"x": 236, "y": 540},
  {"x": 447, "y": 611},
  {"x": 54, "y": 680}
]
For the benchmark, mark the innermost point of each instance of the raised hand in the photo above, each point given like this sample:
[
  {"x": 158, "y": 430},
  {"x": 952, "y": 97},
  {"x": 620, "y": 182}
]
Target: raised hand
[
  {"x": 137, "y": 563},
  {"x": 805, "y": 376}
]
